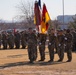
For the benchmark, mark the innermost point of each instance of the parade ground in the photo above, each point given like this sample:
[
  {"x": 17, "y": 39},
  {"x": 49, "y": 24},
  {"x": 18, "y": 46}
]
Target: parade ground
[{"x": 15, "y": 62}]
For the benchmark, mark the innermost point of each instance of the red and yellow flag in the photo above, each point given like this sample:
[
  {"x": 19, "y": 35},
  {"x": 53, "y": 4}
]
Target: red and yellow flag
[{"x": 45, "y": 19}]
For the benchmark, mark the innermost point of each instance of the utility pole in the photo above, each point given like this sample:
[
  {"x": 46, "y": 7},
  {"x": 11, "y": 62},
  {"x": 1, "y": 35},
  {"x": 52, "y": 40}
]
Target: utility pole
[{"x": 63, "y": 12}]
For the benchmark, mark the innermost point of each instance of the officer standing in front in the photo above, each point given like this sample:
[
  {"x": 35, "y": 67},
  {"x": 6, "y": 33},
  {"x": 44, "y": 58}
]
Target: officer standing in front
[{"x": 32, "y": 46}]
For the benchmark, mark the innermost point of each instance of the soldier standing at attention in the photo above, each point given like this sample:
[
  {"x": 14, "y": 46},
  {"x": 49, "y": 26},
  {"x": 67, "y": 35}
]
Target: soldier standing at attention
[
  {"x": 17, "y": 40},
  {"x": 23, "y": 42},
  {"x": 51, "y": 44},
  {"x": 4, "y": 39},
  {"x": 32, "y": 46},
  {"x": 60, "y": 49},
  {"x": 42, "y": 40},
  {"x": 73, "y": 32},
  {"x": 0, "y": 40},
  {"x": 11, "y": 40},
  {"x": 68, "y": 42}
]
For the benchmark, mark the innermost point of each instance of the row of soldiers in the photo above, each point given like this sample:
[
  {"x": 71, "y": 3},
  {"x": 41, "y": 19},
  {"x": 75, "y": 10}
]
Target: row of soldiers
[
  {"x": 13, "y": 40},
  {"x": 60, "y": 40},
  {"x": 57, "y": 40}
]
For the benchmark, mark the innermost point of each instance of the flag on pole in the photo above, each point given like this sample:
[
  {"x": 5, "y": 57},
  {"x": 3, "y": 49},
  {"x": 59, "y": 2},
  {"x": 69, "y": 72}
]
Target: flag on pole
[
  {"x": 39, "y": 3},
  {"x": 37, "y": 16},
  {"x": 45, "y": 19}
]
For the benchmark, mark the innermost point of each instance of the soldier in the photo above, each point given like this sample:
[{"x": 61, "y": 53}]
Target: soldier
[
  {"x": 4, "y": 39},
  {"x": 0, "y": 40},
  {"x": 68, "y": 43},
  {"x": 32, "y": 46},
  {"x": 11, "y": 40},
  {"x": 51, "y": 45},
  {"x": 60, "y": 50},
  {"x": 42, "y": 40},
  {"x": 64, "y": 39},
  {"x": 34, "y": 31},
  {"x": 56, "y": 43},
  {"x": 24, "y": 39},
  {"x": 74, "y": 40},
  {"x": 17, "y": 40}
]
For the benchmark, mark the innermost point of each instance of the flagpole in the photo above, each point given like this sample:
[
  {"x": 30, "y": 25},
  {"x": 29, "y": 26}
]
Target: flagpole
[{"x": 63, "y": 12}]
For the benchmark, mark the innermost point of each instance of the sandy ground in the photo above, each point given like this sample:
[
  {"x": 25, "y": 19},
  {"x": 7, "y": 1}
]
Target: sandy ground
[{"x": 15, "y": 62}]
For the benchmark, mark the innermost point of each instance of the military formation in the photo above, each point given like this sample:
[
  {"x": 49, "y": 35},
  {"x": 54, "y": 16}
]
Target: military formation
[{"x": 57, "y": 41}]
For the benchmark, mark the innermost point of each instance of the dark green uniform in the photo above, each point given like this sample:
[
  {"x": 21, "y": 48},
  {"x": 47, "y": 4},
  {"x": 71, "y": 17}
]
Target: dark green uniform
[
  {"x": 74, "y": 41},
  {"x": 11, "y": 40},
  {"x": 32, "y": 47},
  {"x": 0, "y": 40},
  {"x": 60, "y": 49},
  {"x": 23, "y": 40},
  {"x": 17, "y": 40},
  {"x": 68, "y": 43},
  {"x": 51, "y": 46},
  {"x": 4, "y": 40},
  {"x": 42, "y": 40}
]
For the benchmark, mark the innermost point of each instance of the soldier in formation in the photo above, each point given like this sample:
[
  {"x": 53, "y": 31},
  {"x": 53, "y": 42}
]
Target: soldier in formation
[
  {"x": 4, "y": 40},
  {"x": 51, "y": 44},
  {"x": 11, "y": 38},
  {"x": 42, "y": 40},
  {"x": 73, "y": 32},
  {"x": 17, "y": 40},
  {"x": 0, "y": 40},
  {"x": 23, "y": 39},
  {"x": 68, "y": 44},
  {"x": 60, "y": 40}
]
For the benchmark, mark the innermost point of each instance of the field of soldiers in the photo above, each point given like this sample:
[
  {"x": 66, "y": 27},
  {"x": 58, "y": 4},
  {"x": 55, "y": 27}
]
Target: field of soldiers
[{"x": 37, "y": 57}]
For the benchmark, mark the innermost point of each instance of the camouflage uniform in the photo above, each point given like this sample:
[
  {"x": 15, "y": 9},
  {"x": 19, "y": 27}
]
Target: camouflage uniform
[
  {"x": 51, "y": 46},
  {"x": 4, "y": 40},
  {"x": 42, "y": 40},
  {"x": 74, "y": 41},
  {"x": 32, "y": 47},
  {"x": 60, "y": 50},
  {"x": 17, "y": 40},
  {"x": 68, "y": 43},
  {"x": 0, "y": 40},
  {"x": 23, "y": 40},
  {"x": 11, "y": 40}
]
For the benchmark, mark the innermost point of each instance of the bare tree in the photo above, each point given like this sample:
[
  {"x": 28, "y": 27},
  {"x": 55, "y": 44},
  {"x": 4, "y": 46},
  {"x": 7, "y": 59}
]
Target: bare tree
[{"x": 26, "y": 10}]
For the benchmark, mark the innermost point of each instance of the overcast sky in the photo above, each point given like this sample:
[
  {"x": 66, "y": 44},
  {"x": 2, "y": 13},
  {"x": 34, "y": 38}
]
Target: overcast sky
[{"x": 8, "y": 8}]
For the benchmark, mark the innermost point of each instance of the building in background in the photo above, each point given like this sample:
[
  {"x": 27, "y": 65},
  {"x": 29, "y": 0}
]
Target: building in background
[{"x": 67, "y": 20}]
